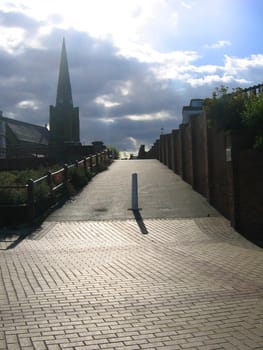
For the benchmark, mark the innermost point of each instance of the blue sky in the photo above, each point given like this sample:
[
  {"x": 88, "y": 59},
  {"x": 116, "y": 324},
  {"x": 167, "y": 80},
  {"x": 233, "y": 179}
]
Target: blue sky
[{"x": 133, "y": 63}]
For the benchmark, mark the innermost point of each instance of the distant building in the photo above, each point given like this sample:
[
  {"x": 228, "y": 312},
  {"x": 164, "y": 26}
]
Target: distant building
[
  {"x": 195, "y": 108},
  {"x": 22, "y": 140},
  {"x": 142, "y": 154}
]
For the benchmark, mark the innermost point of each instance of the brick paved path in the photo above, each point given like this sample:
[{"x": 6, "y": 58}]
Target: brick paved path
[
  {"x": 190, "y": 283},
  {"x": 187, "y": 284}
]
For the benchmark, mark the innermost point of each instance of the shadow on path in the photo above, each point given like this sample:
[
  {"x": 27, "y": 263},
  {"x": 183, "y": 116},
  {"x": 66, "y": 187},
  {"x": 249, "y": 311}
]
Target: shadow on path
[
  {"x": 13, "y": 243},
  {"x": 139, "y": 221}
]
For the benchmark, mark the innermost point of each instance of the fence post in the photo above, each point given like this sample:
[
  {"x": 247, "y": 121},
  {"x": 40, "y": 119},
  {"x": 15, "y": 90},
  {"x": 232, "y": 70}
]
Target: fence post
[
  {"x": 31, "y": 199},
  {"x": 97, "y": 162},
  {"x": 85, "y": 164},
  {"x": 65, "y": 174},
  {"x": 90, "y": 163},
  {"x": 50, "y": 184}
]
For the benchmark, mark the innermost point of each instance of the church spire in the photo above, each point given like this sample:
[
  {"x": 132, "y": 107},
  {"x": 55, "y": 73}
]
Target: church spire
[{"x": 64, "y": 94}]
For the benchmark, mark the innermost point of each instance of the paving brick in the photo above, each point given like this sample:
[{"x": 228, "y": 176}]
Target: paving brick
[{"x": 188, "y": 284}]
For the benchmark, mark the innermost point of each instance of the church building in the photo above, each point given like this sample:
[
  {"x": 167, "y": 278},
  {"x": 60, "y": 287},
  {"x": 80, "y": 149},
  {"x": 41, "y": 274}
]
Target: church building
[
  {"x": 62, "y": 141},
  {"x": 64, "y": 117}
]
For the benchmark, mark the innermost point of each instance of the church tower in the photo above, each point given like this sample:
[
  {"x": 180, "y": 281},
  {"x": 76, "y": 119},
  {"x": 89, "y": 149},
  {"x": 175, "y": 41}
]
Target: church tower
[{"x": 64, "y": 117}]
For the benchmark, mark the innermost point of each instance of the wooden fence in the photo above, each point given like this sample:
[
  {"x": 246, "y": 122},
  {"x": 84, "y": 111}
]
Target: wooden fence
[{"x": 55, "y": 185}]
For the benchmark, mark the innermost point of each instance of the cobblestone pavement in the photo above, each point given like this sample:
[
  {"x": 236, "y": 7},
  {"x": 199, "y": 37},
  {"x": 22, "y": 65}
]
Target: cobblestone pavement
[{"x": 187, "y": 284}]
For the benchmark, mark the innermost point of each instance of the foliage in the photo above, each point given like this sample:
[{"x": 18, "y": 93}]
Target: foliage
[
  {"x": 13, "y": 196},
  {"x": 20, "y": 178},
  {"x": 79, "y": 177},
  {"x": 115, "y": 151},
  {"x": 42, "y": 196},
  {"x": 253, "y": 117},
  {"x": 224, "y": 110}
]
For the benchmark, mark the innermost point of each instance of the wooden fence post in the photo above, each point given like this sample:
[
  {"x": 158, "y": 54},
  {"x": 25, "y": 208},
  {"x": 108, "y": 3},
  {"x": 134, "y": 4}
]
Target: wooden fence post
[
  {"x": 31, "y": 199},
  {"x": 90, "y": 164},
  {"x": 50, "y": 185},
  {"x": 85, "y": 164},
  {"x": 97, "y": 162},
  {"x": 65, "y": 174}
]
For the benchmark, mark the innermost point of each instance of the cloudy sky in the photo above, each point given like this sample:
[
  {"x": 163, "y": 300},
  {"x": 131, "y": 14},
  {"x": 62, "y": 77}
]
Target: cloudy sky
[{"x": 133, "y": 63}]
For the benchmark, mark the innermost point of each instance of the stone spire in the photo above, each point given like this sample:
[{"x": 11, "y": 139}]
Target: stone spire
[
  {"x": 64, "y": 94},
  {"x": 64, "y": 117}
]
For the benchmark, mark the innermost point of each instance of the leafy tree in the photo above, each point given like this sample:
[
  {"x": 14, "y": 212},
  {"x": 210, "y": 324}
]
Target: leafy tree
[
  {"x": 252, "y": 117},
  {"x": 115, "y": 151},
  {"x": 224, "y": 109}
]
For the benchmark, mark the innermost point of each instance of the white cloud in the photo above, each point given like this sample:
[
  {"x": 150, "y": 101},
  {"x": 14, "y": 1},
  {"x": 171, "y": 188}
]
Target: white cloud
[
  {"x": 11, "y": 38},
  {"x": 123, "y": 21},
  {"x": 107, "y": 120},
  {"x": 186, "y": 4},
  {"x": 10, "y": 115},
  {"x": 209, "y": 80},
  {"x": 105, "y": 101},
  {"x": 219, "y": 44},
  {"x": 148, "y": 117},
  {"x": 147, "y": 54},
  {"x": 28, "y": 105},
  {"x": 133, "y": 142},
  {"x": 236, "y": 65}
]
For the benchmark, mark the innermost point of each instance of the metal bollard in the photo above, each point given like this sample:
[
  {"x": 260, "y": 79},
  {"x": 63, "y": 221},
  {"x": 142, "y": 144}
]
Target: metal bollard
[{"x": 135, "y": 192}]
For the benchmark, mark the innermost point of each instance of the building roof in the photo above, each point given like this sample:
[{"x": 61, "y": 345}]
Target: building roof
[{"x": 27, "y": 132}]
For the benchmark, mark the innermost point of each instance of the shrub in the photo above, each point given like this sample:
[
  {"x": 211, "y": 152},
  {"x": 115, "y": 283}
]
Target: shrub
[
  {"x": 79, "y": 177},
  {"x": 115, "y": 152},
  {"x": 42, "y": 196},
  {"x": 224, "y": 110},
  {"x": 253, "y": 117},
  {"x": 11, "y": 196},
  {"x": 20, "y": 178}
]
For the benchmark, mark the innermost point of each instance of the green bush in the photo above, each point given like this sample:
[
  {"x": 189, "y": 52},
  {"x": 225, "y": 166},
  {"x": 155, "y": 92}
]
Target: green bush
[
  {"x": 115, "y": 152},
  {"x": 79, "y": 177},
  {"x": 253, "y": 117},
  {"x": 224, "y": 110},
  {"x": 20, "y": 178},
  {"x": 11, "y": 196},
  {"x": 42, "y": 196}
]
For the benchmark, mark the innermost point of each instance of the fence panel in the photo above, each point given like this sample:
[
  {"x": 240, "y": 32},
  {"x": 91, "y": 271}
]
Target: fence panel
[
  {"x": 250, "y": 204},
  {"x": 218, "y": 172},
  {"x": 199, "y": 154}
]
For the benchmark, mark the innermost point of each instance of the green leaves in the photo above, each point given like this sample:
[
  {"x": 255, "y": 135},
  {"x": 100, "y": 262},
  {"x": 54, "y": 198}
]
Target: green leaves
[
  {"x": 252, "y": 117},
  {"x": 224, "y": 109}
]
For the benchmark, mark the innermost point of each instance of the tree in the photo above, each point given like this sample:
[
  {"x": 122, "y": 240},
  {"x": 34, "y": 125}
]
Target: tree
[
  {"x": 114, "y": 150},
  {"x": 224, "y": 109},
  {"x": 252, "y": 117}
]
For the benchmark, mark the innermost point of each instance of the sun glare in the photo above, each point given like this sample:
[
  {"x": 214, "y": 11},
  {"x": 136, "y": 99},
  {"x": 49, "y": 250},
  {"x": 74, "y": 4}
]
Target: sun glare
[{"x": 120, "y": 20}]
